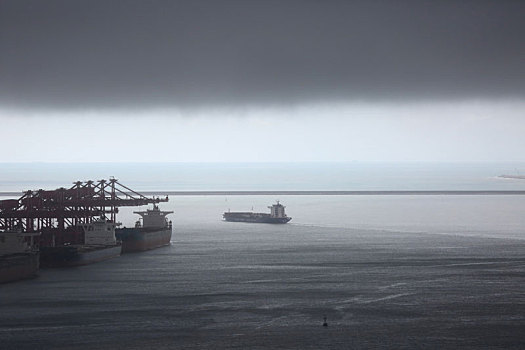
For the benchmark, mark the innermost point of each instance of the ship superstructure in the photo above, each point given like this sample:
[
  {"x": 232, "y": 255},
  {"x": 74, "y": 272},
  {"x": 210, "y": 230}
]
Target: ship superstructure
[
  {"x": 16, "y": 242},
  {"x": 99, "y": 232},
  {"x": 277, "y": 216},
  {"x": 19, "y": 255},
  {"x": 99, "y": 244},
  {"x": 153, "y": 218}
]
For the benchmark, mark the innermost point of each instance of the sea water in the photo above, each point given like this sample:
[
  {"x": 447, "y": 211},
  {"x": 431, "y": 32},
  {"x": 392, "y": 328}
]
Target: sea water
[
  {"x": 387, "y": 271},
  {"x": 266, "y": 176}
]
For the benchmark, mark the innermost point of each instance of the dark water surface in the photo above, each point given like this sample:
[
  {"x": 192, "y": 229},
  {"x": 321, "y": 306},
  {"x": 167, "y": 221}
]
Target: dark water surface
[
  {"x": 392, "y": 272},
  {"x": 234, "y": 285}
]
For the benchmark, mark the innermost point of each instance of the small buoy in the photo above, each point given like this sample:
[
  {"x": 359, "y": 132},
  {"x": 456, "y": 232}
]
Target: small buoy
[{"x": 324, "y": 323}]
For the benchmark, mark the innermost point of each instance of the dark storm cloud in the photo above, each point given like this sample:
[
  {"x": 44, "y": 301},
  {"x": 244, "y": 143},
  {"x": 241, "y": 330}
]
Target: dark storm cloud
[{"x": 85, "y": 54}]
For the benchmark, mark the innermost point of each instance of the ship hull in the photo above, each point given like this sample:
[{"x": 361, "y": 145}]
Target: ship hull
[
  {"x": 77, "y": 256},
  {"x": 17, "y": 267},
  {"x": 141, "y": 239},
  {"x": 257, "y": 219}
]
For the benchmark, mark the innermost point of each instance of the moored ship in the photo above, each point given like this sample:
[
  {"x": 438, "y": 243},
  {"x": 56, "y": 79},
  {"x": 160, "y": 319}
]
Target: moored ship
[
  {"x": 77, "y": 224},
  {"x": 276, "y": 216},
  {"x": 154, "y": 231},
  {"x": 99, "y": 243},
  {"x": 19, "y": 256}
]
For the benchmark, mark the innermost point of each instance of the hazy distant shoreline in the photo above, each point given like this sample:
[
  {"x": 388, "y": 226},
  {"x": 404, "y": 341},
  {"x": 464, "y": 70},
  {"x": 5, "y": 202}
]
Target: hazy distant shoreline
[{"x": 321, "y": 193}]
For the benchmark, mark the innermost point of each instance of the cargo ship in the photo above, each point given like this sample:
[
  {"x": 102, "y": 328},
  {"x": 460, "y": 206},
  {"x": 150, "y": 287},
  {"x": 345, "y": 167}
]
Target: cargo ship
[
  {"x": 154, "y": 231},
  {"x": 77, "y": 224},
  {"x": 276, "y": 216},
  {"x": 516, "y": 177},
  {"x": 99, "y": 244},
  {"x": 19, "y": 256}
]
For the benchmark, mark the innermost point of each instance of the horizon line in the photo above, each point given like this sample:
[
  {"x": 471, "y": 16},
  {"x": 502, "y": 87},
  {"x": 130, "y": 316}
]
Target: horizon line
[{"x": 323, "y": 193}]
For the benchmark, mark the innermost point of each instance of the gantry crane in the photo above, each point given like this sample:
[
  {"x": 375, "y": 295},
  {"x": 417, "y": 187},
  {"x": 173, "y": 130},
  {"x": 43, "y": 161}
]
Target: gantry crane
[{"x": 57, "y": 214}]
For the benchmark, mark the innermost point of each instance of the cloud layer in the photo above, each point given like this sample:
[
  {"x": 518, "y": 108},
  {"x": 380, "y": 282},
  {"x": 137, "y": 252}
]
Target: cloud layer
[{"x": 98, "y": 54}]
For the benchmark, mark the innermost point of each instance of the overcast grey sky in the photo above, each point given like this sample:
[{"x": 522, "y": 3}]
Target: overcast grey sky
[{"x": 228, "y": 80}]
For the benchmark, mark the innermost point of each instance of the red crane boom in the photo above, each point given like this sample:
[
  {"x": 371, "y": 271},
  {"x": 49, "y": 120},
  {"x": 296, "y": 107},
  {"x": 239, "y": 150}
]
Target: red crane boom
[{"x": 56, "y": 213}]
